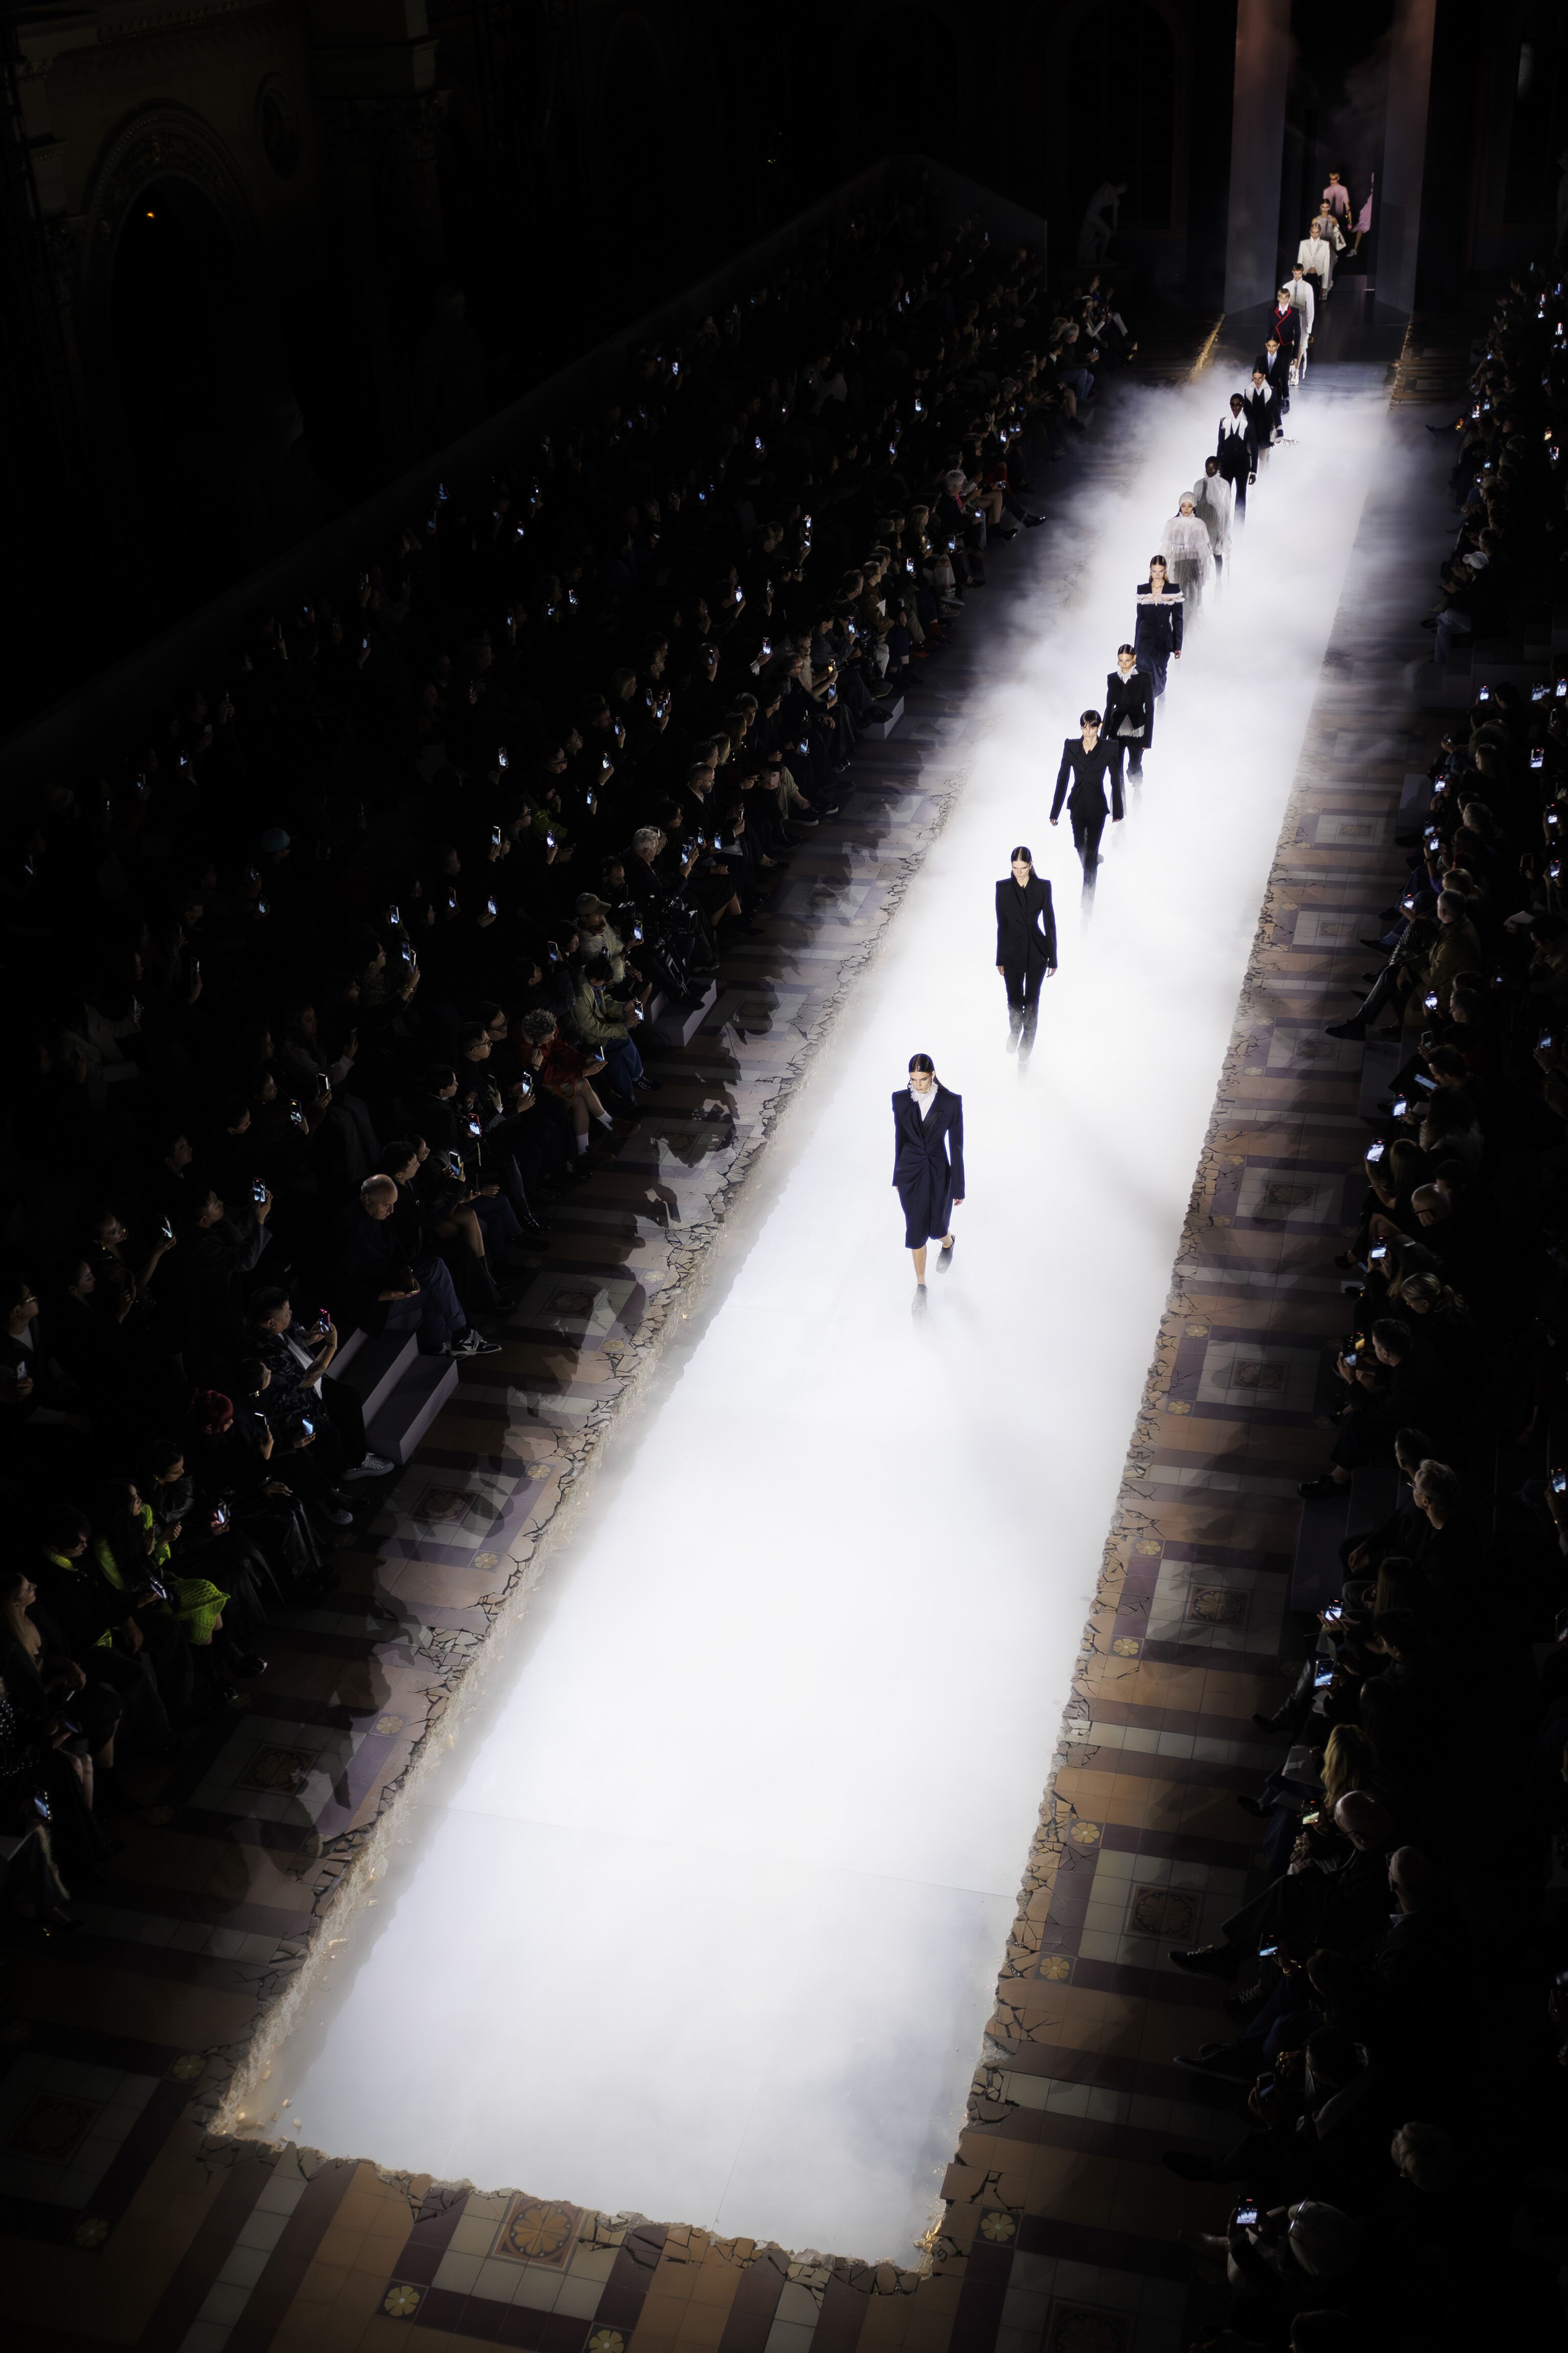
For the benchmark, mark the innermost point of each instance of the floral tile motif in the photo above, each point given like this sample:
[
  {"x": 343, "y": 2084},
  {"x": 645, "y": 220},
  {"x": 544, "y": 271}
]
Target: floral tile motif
[
  {"x": 52, "y": 2126},
  {"x": 538, "y": 2230},
  {"x": 284, "y": 1771},
  {"x": 1081, "y": 2328},
  {"x": 1215, "y": 1605},
  {"x": 1166, "y": 1912}
]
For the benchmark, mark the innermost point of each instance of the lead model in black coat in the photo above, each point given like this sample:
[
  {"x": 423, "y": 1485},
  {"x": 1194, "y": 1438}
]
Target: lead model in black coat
[
  {"x": 1130, "y": 710},
  {"x": 927, "y": 1161},
  {"x": 1026, "y": 945}
]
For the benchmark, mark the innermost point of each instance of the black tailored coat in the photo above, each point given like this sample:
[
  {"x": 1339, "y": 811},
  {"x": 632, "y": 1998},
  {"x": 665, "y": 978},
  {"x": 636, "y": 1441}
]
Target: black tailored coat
[
  {"x": 1131, "y": 699},
  {"x": 1260, "y": 407},
  {"x": 1234, "y": 449},
  {"x": 927, "y": 1163},
  {"x": 1087, "y": 773},
  {"x": 1158, "y": 627},
  {"x": 1275, "y": 374},
  {"x": 1025, "y": 925}
]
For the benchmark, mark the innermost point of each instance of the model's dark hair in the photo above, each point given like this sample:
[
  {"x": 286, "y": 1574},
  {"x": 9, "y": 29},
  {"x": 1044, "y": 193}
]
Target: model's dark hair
[
  {"x": 1027, "y": 855},
  {"x": 922, "y": 1063},
  {"x": 1160, "y": 560},
  {"x": 1236, "y": 400},
  {"x": 1126, "y": 649},
  {"x": 1088, "y": 719}
]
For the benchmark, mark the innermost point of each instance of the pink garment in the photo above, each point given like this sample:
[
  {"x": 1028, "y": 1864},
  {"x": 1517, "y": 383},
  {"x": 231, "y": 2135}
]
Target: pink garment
[
  {"x": 1337, "y": 196},
  {"x": 1364, "y": 218}
]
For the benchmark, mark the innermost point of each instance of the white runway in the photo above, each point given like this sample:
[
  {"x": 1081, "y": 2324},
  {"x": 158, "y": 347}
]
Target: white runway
[{"x": 702, "y": 1913}]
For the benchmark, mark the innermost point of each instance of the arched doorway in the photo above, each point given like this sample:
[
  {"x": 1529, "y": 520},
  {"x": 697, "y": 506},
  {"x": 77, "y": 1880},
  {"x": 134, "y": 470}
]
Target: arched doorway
[{"x": 188, "y": 380}]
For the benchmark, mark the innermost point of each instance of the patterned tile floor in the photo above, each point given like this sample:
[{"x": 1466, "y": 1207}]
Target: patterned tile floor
[{"x": 127, "y": 2221}]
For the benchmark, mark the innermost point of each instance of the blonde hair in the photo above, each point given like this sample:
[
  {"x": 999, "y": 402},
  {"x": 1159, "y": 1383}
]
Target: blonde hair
[{"x": 1348, "y": 1758}]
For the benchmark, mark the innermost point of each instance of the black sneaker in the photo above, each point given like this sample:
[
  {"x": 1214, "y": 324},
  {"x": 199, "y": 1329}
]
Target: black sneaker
[{"x": 1209, "y": 1961}]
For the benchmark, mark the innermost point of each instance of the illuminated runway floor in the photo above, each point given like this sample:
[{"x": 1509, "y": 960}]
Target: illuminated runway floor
[{"x": 712, "y": 1885}]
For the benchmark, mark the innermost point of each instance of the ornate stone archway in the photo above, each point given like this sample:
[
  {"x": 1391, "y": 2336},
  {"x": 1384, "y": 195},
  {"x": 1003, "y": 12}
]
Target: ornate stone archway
[{"x": 165, "y": 142}]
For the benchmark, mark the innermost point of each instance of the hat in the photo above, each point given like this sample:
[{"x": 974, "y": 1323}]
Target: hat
[{"x": 1323, "y": 2240}]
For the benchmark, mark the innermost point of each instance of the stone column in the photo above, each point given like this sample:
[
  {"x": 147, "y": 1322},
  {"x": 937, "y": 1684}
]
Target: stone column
[
  {"x": 1396, "y": 208},
  {"x": 1256, "y": 152}
]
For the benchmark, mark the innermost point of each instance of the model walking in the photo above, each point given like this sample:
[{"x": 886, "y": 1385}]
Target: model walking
[
  {"x": 1233, "y": 453},
  {"x": 1130, "y": 710},
  {"x": 1086, "y": 763},
  {"x": 928, "y": 1161},
  {"x": 1191, "y": 555},
  {"x": 1025, "y": 947},
  {"x": 1158, "y": 634}
]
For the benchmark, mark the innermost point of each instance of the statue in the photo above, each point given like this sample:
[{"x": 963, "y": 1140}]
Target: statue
[{"x": 1099, "y": 225}]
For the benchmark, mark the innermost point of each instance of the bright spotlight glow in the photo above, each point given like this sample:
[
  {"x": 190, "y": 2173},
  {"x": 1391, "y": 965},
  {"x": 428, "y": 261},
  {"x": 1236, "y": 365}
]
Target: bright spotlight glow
[{"x": 702, "y": 1913}]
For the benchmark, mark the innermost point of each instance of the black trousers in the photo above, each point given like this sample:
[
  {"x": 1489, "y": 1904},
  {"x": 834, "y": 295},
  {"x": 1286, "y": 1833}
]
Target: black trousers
[
  {"x": 1086, "y": 833},
  {"x": 1023, "y": 982},
  {"x": 1132, "y": 746}
]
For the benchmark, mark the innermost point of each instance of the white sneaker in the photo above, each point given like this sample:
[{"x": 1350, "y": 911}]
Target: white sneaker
[{"x": 375, "y": 1466}]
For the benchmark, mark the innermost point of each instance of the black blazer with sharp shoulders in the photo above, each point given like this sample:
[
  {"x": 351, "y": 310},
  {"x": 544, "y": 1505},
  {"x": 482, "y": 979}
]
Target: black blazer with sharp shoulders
[
  {"x": 1087, "y": 773},
  {"x": 1132, "y": 699},
  {"x": 937, "y": 1138},
  {"x": 1026, "y": 922}
]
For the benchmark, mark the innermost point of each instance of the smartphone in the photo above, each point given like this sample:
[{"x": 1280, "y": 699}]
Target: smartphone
[
  {"x": 1538, "y": 690},
  {"x": 1485, "y": 695},
  {"x": 395, "y": 917},
  {"x": 1321, "y": 1682},
  {"x": 168, "y": 1230},
  {"x": 1537, "y": 757},
  {"x": 1333, "y": 1613},
  {"x": 1377, "y": 1253},
  {"x": 307, "y": 1427},
  {"x": 1374, "y": 1152},
  {"x": 603, "y": 764},
  {"x": 767, "y": 648},
  {"x": 489, "y": 907},
  {"x": 1247, "y": 2214},
  {"x": 1408, "y": 903},
  {"x": 554, "y": 951},
  {"x": 297, "y": 1116},
  {"x": 1560, "y": 1482},
  {"x": 1430, "y": 1084},
  {"x": 1430, "y": 1000},
  {"x": 257, "y": 1191},
  {"x": 473, "y": 1123},
  {"x": 548, "y": 838},
  {"x": 1545, "y": 1043}
]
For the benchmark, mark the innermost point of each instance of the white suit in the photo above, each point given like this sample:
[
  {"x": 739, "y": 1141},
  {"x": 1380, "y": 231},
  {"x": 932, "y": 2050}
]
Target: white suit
[{"x": 1315, "y": 253}]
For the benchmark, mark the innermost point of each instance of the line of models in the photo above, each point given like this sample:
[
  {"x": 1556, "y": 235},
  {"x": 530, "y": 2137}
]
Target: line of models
[{"x": 928, "y": 1118}]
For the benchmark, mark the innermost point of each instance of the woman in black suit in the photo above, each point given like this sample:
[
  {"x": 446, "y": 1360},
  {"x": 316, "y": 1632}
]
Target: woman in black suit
[
  {"x": 1129, "y": 709},
  {"x": 1026, "y": 945},
  {"x": 928, "y": 1161}
]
